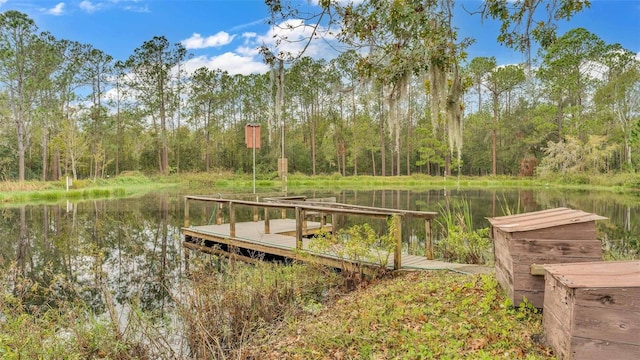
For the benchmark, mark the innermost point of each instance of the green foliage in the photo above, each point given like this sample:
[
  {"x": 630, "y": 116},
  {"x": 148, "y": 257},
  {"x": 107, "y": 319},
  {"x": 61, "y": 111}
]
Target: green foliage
[
  {"x": 477, "y": 70},
  {"x": 360, "y": 243},
  {"x": 520, "y": 23},
  {"x": 431, "y": 151},
  {"x": 635, "y": 132},
  {"x": 335, "y": 120},
  {"x": 427, "y": 315},
  {"x": 566, "y": 76},
  {"x": 458, "y": 240},
  {"x": 526, "y": 310}
]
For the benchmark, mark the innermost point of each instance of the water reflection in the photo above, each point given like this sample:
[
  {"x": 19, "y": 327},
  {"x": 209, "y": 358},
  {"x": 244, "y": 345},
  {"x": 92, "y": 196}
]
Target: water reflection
[
  {"x": 133, "y": 247},
  {"x": 620, "y": 231},
  {"x": 130, "y": 246}
]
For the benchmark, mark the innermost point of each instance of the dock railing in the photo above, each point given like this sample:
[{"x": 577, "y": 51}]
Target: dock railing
[{"x": 324, "y": 207}]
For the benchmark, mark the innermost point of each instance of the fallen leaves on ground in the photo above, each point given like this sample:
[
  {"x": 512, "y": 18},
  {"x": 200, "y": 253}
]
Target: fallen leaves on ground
[{"x": 422, "y": 315}]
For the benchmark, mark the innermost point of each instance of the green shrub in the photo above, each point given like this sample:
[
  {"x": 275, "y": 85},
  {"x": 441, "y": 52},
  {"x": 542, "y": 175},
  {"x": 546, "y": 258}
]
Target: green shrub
[
  {"x": 79, "y": 184},
  {"x": 360, "y": 243},
  {"x": 459, "y": 241}
]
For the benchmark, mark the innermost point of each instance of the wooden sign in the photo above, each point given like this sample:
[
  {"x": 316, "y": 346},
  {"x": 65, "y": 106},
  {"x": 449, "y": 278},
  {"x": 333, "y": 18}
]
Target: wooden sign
[{"x": 252, "y": 136}]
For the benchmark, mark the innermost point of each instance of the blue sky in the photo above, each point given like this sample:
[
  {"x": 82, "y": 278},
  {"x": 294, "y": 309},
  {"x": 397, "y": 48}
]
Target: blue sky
[{"x": 224, "y": 34}]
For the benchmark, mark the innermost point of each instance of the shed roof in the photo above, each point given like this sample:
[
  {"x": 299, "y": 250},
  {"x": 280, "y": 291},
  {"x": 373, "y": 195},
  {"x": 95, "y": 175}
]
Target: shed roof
[
  {"x": 603, "y": 274},
  {"x": 542, "y": 219}
]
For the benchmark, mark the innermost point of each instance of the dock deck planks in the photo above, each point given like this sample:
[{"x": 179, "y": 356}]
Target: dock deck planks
[{"x": 250, "y": 235}]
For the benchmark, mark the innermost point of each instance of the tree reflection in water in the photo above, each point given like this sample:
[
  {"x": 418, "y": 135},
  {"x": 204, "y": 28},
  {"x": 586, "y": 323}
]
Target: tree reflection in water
[{"x": 114, "y": 252}]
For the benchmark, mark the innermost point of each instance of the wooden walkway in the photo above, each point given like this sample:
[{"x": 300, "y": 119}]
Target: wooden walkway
[{"x": 290, "y": 238}]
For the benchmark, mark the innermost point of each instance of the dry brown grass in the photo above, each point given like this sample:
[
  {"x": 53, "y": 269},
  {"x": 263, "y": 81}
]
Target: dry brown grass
[
  {"x": 6, "y": 186},
  {"x": 223, "y": 312}
]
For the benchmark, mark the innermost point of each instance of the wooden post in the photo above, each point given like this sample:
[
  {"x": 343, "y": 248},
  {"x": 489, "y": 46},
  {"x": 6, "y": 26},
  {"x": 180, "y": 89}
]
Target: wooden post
[
  {"x": 255, "y": 214},
  {"x": 333, "y": 224},
  {"x": 397, "y": 235},
  {"x": 186, "y": 212},
  {"x": 299, "y": 221},
  {"x": 219, "y": 214},
  {"x": 232, "y": 220},
  {"x": 267, "y": 225},
  {"x": 428, "y": 239},
  {"x": 283, "y": 214}
]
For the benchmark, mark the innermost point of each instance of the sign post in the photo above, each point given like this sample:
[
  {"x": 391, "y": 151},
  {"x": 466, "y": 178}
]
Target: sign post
[{"x": 252, "y": 139}]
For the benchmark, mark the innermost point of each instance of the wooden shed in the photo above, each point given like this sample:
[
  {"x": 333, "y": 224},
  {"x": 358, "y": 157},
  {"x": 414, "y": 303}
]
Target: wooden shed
[
  {"x": 559, "y": 235},
  {"x": 592, "y": 310}
]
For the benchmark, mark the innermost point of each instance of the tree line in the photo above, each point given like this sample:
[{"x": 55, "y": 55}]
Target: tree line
[{"x": 403, "y": 99}]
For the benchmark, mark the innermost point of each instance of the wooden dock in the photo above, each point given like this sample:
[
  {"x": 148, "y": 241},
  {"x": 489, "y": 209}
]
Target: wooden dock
[{"x": 290, "y": 238}]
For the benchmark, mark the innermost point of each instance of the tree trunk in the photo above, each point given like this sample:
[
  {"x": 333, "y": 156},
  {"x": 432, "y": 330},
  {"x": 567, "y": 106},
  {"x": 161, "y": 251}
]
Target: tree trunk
[
  {"x": 21, "y": 148},
  {"x": 164, "y": 154},
  {"x": 393, "y": 162},
  {"x": 55, "y": 165},
  {"x": 383, "y": 162},
  {"x": 45, "y": 154},
  {"x": 408, "y": 150},
  {"x": 559, "y": 116},
  {"x": 373, "y": 162},
  {"x": 355, "y": 163},
  {"x": 494, "y": 134},
  {"x": 398, "y": 163},
  {"x": 207, "y": 150},
  {"x": 447, "y": 165},
  {"x": 118, "y": 130},
  {"x": 343, "y": 154},
  {"x": 313, "y": 141},
  {"x": 627, "y": 152}
]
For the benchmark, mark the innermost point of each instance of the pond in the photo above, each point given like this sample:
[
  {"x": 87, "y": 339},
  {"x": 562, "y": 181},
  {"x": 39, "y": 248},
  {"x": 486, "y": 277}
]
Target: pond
[{"x": 133, "y": 247}]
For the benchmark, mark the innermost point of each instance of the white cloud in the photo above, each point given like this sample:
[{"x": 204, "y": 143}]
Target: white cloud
[
  {"x": 196, "y": 41},
  {"x": 138, "y": 9},
  {"x": 2, "y": 2},
  {"x": 56, "y": 10},
  {"x": 248, "y": 51},
  {"x": 139, "y": 6},
  {"x": 594, "y": 69},
  {"x": 242, "y": 26},
  {"x": 293, "y": 36},
  {"x": 88, "y": 6},
  {"x": 230, "y": 62},
  {"x": 246, "y": 59},
  {"x": 249, "y": 35}
]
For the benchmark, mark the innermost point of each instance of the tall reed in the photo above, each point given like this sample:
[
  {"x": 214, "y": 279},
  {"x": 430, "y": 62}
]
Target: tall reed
[{"x": 458, "y": 240}]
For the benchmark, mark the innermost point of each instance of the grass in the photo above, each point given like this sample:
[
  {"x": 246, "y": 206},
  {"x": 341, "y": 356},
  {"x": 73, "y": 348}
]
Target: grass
[
  {"x": 268, "y": 311},
  {"x": 133, "y": 183},
  {"x": 128, "y": 184},
  {"x": 223, "y": 311},
  {"x": 426, "y": 315}
]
